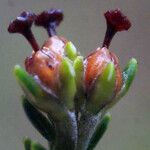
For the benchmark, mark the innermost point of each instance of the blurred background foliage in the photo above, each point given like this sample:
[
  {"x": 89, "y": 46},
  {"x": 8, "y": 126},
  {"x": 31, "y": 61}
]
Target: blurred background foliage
[{"x": 84, "y": 25}]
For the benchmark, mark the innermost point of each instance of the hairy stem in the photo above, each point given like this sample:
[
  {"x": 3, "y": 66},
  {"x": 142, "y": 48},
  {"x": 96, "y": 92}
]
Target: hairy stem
[
  {"x": 86, "y": 128},
  {"x": 66, "y": 133}
]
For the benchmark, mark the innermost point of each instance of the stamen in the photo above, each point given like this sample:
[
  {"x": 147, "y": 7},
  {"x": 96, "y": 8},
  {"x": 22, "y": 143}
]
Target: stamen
[
  {"x": 22, "y": 24},
  {"x": 50, "y": 19},
  {"x": 116, "y": 21}
]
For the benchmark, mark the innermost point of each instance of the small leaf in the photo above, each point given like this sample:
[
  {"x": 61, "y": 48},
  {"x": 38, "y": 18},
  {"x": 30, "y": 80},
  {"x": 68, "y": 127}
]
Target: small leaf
[
  {"x": 36, "y": 95},
  {"x": 27, "y": 143},
  {"x": 39, "y": 121},
  {"x": 67, "y": 81},
  {"x": 103, "y": 90},
  {"x": 99, "y": 132},
  {"x": 37, "y": 146},
  {"x": 27, "y": 82},
  {"x": 71, "y": 51},
  {"x": 128, "y": 76}
]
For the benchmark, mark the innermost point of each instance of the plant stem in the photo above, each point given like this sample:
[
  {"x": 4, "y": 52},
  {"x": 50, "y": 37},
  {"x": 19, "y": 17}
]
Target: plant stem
[
  {"x": 66, "y": 133},
  {"x": 86, "y": 128}
]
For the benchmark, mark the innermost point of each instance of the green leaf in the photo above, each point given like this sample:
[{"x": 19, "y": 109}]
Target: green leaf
[
  {"x": 128, "y": 76},
  {"x": 28, "y": 83},
  {"x": 67, "y": 81},
  {"x": 27, "y": 143},
  {"x": 37, "y": 146},
  {"x": 103, "y": 90},
  {"x": 30, "y": 145},
  {"x": 39, "y": 121},
  {"x": 36, "y": 95},
  {"x": 99, "y": 132},
  {"x": 71, "y": 51}
]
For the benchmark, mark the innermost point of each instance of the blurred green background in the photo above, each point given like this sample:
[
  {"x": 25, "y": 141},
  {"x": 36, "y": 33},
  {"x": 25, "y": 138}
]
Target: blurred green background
[{"x": 84, "y": 24}]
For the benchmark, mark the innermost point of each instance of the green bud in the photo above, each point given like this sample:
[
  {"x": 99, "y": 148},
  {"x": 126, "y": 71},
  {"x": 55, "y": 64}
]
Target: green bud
[
  {"x": 103, "y": 90},
  {"x": 39, "y": 121},
  {"x": 71, "y": 51},
  {"x": 67, "y": 81},
  {"x": 37, "y": 146},
  {"x": 27, "y": 143},
  {"x": 99, "y": 131}
]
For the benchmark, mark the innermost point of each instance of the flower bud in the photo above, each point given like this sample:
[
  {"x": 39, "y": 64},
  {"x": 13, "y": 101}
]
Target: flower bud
[
  {"x": 103, "y": 90},
  {"x": 45, "y": 63},
  {"x": 96, "y": 62},
  {"x": 103, "y": 79}
]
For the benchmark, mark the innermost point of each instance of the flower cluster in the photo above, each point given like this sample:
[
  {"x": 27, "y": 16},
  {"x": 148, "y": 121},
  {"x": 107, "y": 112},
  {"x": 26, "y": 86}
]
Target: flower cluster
[{"x": 74, "y": 92}]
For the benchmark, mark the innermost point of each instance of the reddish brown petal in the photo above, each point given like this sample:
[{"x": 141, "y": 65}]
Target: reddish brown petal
[
  {"x": 96, "y": 62},
  {"x": 94, "y": 65},
  {"x": 118, "y": 72}
]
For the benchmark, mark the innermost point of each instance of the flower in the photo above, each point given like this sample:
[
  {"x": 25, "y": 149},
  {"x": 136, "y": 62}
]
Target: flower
[
  {"x": 49, "y": 66},
  {"x": 103, "y": 76},
  {"x": 66, "y": 94},
  {"x": 45, "y": 63},
  {"x": 95, "y": 82}
]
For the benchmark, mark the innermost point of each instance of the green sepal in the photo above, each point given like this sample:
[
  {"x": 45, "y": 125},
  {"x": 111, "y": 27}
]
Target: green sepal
[
  {"x": 28, "y": 83},
  {"x": 27, "y": 143},
  {"x": 128, "y": 76},
  {"x": 79, "y": 71},
  {"x": 70, "y": 51},
  {"x": 67, "y": 83},
  {"x": 37, "y": 146},
  {"x": 103, "y": 90},
  {"x": 99, "y": 132},
  {"x": 35, "y": 94},
  {"x": 38, "y": 120}
]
